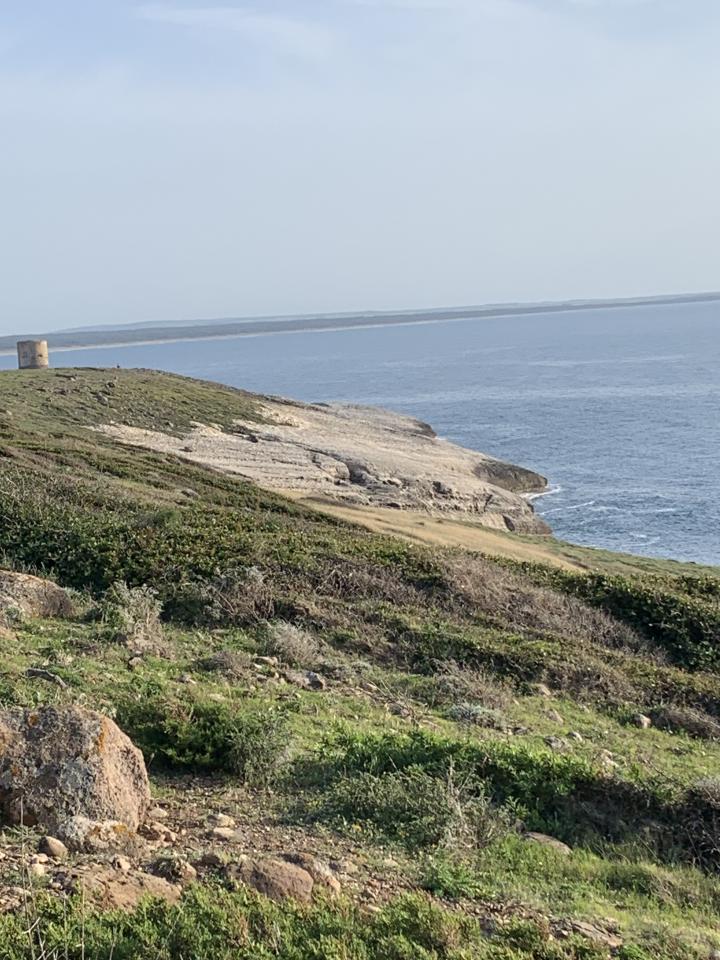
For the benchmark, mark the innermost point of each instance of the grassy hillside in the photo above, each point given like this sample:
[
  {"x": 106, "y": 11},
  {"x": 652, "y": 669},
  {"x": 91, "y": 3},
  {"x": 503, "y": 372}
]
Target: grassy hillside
[{"x": 457, "y": 703}]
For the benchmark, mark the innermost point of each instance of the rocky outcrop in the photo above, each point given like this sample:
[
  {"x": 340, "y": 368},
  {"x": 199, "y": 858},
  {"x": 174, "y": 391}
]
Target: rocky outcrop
[
  {"x": 73, "y": 773},
  {"x": 358, "y": 455},
  {"x": 27, "y": 596}
]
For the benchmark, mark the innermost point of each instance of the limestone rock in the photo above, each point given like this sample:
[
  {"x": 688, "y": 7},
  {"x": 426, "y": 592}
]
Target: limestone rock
[
  {"x": 32, "y": 597},
  {"x": 53, "y": 848},
  {"x": 174, "y": 870},
  {"x": 358, "y": 455},
  {"x": 551, "y": 842},
  {"x": 60, "y": 763},
  {"x": 276, "y": 879}
]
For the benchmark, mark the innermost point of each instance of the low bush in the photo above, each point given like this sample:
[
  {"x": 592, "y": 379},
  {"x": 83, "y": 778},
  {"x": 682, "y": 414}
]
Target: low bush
[
  {"x": 293, "y": 646},
  {"x": 131, "y": 615},
  {"x": 681, "y": 617},
  {"x": 695, "y": 723},
  {"x": 415, "y": 808},
  {"x": 212, "y": 922},
  {"x": 249, "y": 742},
  {"x": 450, "y": 877}
]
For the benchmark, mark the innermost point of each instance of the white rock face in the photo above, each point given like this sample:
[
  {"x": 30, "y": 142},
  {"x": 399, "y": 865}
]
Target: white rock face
[{"x": 360, "y": 455}]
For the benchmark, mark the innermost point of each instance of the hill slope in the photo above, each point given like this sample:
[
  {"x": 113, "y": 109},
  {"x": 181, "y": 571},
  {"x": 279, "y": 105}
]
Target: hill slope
[{"x": 496, "y": 759}]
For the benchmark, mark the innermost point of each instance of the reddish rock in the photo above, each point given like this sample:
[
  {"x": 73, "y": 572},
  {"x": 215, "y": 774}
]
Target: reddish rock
[{"x": 60, "y": 763}]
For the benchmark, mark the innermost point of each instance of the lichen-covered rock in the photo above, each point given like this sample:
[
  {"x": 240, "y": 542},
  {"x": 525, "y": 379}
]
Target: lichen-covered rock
[
  {"x": 62, "y": 763},
  {"x": 28, "y": 596}
]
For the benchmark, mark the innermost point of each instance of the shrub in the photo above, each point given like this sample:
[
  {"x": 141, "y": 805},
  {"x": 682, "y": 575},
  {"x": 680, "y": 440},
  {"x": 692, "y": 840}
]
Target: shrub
[
  {"x": 292, "y": 645},
  {"x": 250, "y": 742},
  {"x": 131, "y": 615},
  {"x": 239, "y": 596},
  {"x": 681, "y": 617},
  {"x": 450, "y": 877},
  {"x": 415, "y": 808},
  {"x": 452, "y": 684},
  {"x": 695, "y": 723},
  {"x": 234, "y": 664},
  {"x": 475, "y": 714}
]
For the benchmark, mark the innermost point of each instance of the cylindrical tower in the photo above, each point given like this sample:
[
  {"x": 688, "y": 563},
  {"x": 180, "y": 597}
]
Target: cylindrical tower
[{"x": 33, "y": 354}]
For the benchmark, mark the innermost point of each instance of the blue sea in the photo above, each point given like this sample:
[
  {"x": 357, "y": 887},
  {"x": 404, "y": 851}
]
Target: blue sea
[{"x": 619, "y": 408}]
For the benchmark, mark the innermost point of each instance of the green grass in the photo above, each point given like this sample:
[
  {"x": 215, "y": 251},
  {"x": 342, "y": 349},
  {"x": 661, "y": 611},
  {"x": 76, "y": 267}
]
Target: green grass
[{"x": 430, "y": 739}]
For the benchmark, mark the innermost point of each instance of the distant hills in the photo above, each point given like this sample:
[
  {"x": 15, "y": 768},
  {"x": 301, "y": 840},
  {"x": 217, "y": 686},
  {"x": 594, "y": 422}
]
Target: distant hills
[{"x": 127, "y": 334}]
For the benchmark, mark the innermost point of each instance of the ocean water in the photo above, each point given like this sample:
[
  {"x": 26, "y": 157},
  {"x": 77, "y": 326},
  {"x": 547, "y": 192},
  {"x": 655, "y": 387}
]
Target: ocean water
[{"x": 619, "y": 408}]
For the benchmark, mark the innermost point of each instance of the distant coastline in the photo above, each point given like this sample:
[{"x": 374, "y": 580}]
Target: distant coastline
[{"x": 152, "y": 333}]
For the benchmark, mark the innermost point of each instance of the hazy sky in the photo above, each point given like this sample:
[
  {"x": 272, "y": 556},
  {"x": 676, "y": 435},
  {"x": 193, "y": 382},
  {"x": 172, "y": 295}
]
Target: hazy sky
[{"x": 172, "y": 160}]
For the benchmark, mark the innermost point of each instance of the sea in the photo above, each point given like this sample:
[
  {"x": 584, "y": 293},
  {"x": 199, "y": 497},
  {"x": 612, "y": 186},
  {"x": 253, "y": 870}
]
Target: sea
[{"x": 618, "y": 407}]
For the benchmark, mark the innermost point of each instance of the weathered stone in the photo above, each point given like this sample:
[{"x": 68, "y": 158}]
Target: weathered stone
[
  {"x": 227, "y": 834},
  {"x": 276, "y": 879},
  {"x": 157, "y": 832},
  {"x": 320, "y": 872},
  {"x": 97, "y": 836},
  {"x": 53, "y": 848},
  {"x": 552, "y": 842},
  {"x": 590, "y": 931},
  {"x": 31, "y": 596},
  {"x": 174, "y": 869},
  {"x": 60, "y": 763},
  {"x": 220, "y": 820},
  {"x": 114, "y": 890}
]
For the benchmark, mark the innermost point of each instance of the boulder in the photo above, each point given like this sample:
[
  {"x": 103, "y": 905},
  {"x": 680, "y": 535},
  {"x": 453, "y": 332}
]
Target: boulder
[
  {"x": 32, "y": 597},
  {"x": 276, "y": 879},
  {"x": 117, "y": 890},
  {"x": 66, "y": 769},
  {"x": 321, "y": 873},
  {"x": 551, "y": 842},
  {"x": 53, "y": 848}
]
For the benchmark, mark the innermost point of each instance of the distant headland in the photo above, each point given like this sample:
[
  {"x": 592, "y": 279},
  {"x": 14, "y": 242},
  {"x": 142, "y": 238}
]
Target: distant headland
[{"x": 212, "y": 329}]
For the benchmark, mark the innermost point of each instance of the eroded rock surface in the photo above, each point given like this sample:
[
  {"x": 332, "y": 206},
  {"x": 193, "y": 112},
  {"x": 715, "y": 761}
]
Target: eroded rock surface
[{"x": 360, "y": 455}]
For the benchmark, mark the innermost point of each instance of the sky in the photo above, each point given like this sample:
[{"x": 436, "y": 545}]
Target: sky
[{"x": 165, "y": 161}]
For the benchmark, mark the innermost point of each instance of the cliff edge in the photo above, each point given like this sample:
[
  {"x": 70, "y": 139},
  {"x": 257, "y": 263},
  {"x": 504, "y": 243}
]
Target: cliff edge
[{"x": 357, "y": 455}]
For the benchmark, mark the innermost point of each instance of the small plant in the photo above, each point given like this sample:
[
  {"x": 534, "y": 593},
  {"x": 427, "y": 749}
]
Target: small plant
[
  {"x": 694, "y": 723},
  {"x": 292, "y": 645},
  {"x": 237, "y": 596},
  {"x": 131, "y": 615},
  {"x": 450, "y": 877},
  {"x": 451, "y": 683},
  {"x": 477, "y": 715},
  {"x": 233, "y": 664}
]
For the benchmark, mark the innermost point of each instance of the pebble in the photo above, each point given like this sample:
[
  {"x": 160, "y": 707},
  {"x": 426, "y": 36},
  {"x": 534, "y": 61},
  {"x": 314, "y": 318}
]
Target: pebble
[
  {"x": 221, "y": 820},
  {"x": 224, "y": 833}
]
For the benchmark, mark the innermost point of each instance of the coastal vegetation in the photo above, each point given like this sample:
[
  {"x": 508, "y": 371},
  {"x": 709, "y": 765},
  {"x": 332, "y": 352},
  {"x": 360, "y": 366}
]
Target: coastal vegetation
[{"x": 515, "y": 759}]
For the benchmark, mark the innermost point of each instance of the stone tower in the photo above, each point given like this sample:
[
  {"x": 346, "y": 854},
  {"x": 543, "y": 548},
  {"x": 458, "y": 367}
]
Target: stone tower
[{"x": 33, "y": 354}]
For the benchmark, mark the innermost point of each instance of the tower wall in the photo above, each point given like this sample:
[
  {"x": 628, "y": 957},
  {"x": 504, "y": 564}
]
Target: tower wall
[{"x": 33, "y": 354}]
